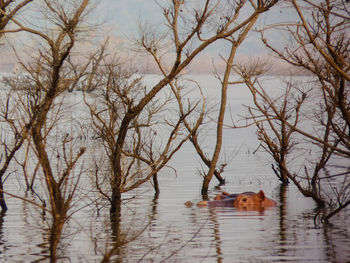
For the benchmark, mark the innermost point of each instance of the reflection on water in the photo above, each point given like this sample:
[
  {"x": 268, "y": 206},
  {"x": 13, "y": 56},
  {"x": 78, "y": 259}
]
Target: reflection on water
[
  {"x": 175, "y": 233},
  {"x": 162, "y": 229}
]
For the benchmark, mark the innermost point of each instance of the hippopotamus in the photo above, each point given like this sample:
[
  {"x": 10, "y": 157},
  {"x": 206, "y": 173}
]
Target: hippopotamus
[{"x": 246, "y": 201}]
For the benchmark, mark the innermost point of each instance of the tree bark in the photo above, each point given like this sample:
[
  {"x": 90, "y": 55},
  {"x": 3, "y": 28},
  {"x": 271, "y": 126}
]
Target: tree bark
[
  {"x": 156, "y": 184},
  {"x": 55, "y": 235},
  {"x": 2, "y": 198},
  {"x": 115, "y": 201}
]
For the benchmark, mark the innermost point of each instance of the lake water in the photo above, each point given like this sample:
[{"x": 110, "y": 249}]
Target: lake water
[{"x": 163, "y": 229}]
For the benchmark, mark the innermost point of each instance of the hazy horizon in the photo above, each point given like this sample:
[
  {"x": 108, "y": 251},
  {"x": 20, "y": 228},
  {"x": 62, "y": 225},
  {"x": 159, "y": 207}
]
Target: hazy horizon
[{"x": 119, "y": 22}]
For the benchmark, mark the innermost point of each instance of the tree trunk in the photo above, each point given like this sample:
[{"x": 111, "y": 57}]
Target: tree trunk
[
  {"x": 220, "y": 122},
  {"x": 221, "y": 117},
  {"x": 55, "y": 235},
  {"x": 156, "y": 184},
  {"x": 116, "y": 223},
  {"x": 218, "y": 176},
  {"x": 205, "y": 186},
  {"x": 2, "y": 197},
  {"x": 115, "y": 201},
  {"x": 284, "y": 177}
]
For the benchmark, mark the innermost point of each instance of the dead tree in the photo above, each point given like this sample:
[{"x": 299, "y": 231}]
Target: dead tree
[
  {"x": 194, "y": 130},
  {"x": 314, "y": 113},
  {"x": 13, "y": 135},
  {"x": 192, "y": 28},
  {"x": 154, "y": 136},
  {"x": 8, "y": 10},
  {"x": 42, "y": 105},
  {"x": 235, "y": 41}
]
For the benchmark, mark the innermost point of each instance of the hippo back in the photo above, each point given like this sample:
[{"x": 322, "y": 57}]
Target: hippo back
[{"x": 227, "y": 201}]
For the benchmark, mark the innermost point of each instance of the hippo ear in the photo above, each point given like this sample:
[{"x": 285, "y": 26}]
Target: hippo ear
[{"x": 261, "y": 195}]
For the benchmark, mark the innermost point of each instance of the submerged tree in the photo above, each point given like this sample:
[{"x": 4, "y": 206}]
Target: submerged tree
[
  {"x": 154, "y": 135},
  {"x": 309, "y": 122},
  {"x": 9, "y": 144},
  {"x": 13, "y": 134},
  {"x": 41, "y": 100},
  {"x": 235, "y": 41},
  {"x": 193, "y": 27}
]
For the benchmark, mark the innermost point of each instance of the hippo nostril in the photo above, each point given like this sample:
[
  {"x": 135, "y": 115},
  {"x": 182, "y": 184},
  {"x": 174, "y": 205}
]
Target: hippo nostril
[{"x": 244, "y": 199}]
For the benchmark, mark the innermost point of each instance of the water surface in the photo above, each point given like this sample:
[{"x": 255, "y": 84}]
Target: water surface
[{"x": 163, "y": 229}]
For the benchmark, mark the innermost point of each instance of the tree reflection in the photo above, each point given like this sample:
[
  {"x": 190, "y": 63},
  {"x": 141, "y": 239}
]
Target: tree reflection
[
  {"x": 217, "y": 236},
  {"x": 283, "y": 225},
  {"x": 2, "y": 216},
  {"x": 116, "y": 236}
]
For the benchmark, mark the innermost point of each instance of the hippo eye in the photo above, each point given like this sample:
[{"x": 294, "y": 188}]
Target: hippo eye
[{"x": 244, "y": 199}]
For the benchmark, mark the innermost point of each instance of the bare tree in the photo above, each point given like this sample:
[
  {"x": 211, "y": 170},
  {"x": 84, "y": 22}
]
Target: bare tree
[
  {"x": 195, "y": 131},
  {"x": 9, "y": 144},
  {"x": 154, "y": 135},
  {"x": 235, "y": 41},
  {"x": 309, "y": 122},
  {"x": 192, "y": 28},
  {"x": 42, "y": 106},
  {"x": 8, "y": 10}
]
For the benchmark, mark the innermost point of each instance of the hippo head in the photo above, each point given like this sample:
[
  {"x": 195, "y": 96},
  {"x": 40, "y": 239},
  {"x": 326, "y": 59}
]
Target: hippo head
[{"x": 251, "y": 200}]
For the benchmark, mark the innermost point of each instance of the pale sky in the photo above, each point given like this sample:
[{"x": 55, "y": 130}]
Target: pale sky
[
  {"x": 125, "y": 14},
  {"x": 120, "y": 18}
]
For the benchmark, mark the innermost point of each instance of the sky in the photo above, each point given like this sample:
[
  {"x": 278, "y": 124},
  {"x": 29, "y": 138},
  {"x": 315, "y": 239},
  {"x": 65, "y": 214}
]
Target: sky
[
  {"x": 124, "y": 16},
  {"x": 120, "y": 18}
]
